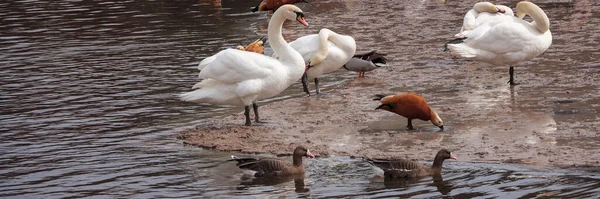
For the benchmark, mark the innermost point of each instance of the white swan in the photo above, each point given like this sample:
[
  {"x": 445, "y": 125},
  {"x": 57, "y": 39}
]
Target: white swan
[
  {"x": 235, "y": 77},
  {"x": 509, "y": 41},
  {"x": 323, "y": 53},
  {"x": 483, "y": 12}
]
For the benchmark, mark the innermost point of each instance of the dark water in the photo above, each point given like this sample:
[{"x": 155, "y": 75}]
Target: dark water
[{"x": 88, "y": 109}]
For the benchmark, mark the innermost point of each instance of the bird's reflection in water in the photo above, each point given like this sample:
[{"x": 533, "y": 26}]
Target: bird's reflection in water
[
  {"x": 443, "y": 187},
  {"x": 273, "y": 181}
]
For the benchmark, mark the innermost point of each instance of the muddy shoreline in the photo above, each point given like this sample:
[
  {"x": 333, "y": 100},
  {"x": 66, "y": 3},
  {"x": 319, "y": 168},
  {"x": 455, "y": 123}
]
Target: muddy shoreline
[{"x": 343, "y": 122}]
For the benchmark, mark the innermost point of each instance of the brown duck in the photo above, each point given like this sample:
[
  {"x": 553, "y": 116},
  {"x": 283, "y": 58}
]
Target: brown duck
[
  {"x": 402, "y": 168},
  {"x": 261, "y": 167},
  {"x": 410, "y": 105},
  {"x": 257, "y": 46}
]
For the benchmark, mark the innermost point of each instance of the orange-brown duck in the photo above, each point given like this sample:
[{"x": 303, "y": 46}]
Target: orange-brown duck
[
  {"x": 257, "y": 46},
  {"x": 410, "y": 105}
]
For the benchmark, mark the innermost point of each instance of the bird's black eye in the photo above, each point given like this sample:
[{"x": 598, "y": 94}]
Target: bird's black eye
[{"x": 299, "y": 14}]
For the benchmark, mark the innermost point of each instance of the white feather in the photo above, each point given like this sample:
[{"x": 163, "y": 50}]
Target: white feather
[
  {"x": 474, "y": 19},
  {"x": 234, "y": 77},
  {"x": 506, "y": 41},
  {"x": 341, "y": 49}
]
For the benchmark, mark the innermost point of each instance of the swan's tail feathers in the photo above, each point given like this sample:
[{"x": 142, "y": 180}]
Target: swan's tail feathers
[
  {"x": 205, "y": 62},
  {"x": 197, "y": 85},
  {"x": 454, "y": 41},
  {"x": 198, "y": 94},
  {"x": 461, "y": 50},
  {"x": 189, "y": 96},
  {"x": 461, "y": 34}
]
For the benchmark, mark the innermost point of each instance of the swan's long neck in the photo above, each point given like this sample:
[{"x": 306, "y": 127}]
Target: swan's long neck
[
  {"x": 279, "y": 45},
  {"x": 485, "y": 7},
  {"x": 540, "y": 19},
  {"x": 323, "y": 42},
  {"x": 326, "y": 35}
]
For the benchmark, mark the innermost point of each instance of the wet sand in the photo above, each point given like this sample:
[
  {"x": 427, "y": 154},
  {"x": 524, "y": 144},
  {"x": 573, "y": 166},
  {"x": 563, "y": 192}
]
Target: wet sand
[
  {"x": 344, "y": 122},
  {"x": 550, "y": 119}
]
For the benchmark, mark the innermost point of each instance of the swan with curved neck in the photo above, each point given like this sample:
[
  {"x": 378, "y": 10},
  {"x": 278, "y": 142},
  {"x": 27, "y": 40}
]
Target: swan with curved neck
[
  {"x": 540, "y": 19},
  {"x": 234, "y": 77},
  {"x": 482, "y": 12},
  {"x": 323, "y": 53},
  {"x": 507, "y": 41}
]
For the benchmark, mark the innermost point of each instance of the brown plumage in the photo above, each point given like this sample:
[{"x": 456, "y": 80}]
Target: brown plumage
[
  {"x": 267, "y": 5},
  {"x": 257, "y": 46},
  {"x": 274, "y": 166},
  {"x": 410, "y": 105},
  {"x": 402, "y": 168}
]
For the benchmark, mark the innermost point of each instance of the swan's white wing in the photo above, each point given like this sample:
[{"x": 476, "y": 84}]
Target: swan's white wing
[
  {"x": 474, "y": 19},
  {"x": 501, "y": 38},
  {"x": 206, "y": 61},
  {"x": 307, "y": 46},
  {"x": 231, "y": 66},
  {"x": 469, "y": 20}
]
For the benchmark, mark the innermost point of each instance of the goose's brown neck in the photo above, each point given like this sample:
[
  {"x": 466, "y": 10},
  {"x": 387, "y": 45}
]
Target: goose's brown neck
[
  {"x": 297, "y": 160},
  {"x": 437, "y": 162}
]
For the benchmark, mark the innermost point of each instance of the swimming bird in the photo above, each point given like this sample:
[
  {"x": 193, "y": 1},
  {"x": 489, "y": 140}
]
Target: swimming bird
[
  {"x": 257, "y": 46},
  {"x": 482, "y": 12},
  {"x": 323, "y": 53},
  {"x": 364, "y": 62},
  {"x": 402, "y": 168},
  {"x": 273, "y": 5},
  {"x": 508, "y": 41},
  {"x": 263, "y": 167},
  {"x": 235, "y": 77},
  {"x": 410, "y": 105}
]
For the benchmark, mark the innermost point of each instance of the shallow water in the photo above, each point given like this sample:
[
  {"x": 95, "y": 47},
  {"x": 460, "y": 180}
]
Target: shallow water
[{"x": 88, "y": 109}]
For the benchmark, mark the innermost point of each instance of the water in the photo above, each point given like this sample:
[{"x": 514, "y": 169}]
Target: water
[{"x": 88, "y": 109}]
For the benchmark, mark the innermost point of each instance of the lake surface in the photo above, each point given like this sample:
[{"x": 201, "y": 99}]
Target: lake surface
[{"x": 88, "y": 106}]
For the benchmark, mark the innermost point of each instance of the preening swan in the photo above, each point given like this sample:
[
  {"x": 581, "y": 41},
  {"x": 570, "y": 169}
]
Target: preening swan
[
  {"x": 362, "y": 62},
  {"x": 235, "y": 77},
  {"x": 483, "y": 12},
  {"x": 509, "y": 41},
  {"x": 323, "y": 53}
]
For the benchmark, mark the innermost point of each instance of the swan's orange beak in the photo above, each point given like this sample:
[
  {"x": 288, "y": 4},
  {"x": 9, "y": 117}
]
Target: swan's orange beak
[{"x": 300, "y": 19}]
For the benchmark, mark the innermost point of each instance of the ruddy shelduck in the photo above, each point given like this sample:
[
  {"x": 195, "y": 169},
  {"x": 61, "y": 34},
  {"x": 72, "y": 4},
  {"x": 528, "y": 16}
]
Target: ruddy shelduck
[
  {"x": 257, "y": 46},
  {"x": 410, "y": 105}
]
